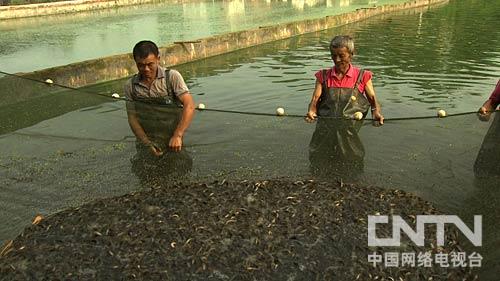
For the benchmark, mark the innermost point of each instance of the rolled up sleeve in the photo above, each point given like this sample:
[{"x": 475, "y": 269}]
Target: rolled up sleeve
[{"x": 178, "y": 85}]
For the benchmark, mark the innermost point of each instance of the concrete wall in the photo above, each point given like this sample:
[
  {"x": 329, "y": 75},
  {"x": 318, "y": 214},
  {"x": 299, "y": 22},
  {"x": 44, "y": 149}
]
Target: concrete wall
[
  {"x": 119, "y": 66},
  {"x": 63, "y": 7}
]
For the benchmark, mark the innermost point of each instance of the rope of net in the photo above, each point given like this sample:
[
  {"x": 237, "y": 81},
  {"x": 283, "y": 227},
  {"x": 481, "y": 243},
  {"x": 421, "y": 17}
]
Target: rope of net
[{"x": 122, "y": 98}]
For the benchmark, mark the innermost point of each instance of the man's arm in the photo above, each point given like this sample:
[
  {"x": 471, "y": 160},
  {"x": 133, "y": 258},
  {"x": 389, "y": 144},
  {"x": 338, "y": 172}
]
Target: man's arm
[
  {"x": 312, "y": 111},
  {"x": 491, "y": 104},
  {"x": 487, "y": 107},
  {"x": 133, "y": 122},
  {"x": 140, "y": 134},
  {"x": 175, "y": 142},
  {"x": 372, "y": 98}
]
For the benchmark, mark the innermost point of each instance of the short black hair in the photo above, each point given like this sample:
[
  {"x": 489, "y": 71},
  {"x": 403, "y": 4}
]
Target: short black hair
[{"x": 144, "y": 48}]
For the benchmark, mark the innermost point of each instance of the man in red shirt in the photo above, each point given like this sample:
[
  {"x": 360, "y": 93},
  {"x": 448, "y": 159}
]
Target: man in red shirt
[
  {"x": 334, "y": 92},
  {"x": 343, "y": 95},
  {"x": 491, "y": 104}
]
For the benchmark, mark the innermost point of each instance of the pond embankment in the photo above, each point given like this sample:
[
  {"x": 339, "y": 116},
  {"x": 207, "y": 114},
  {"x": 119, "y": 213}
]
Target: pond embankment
[
  {"x": 120, "y": 66},
  {"x": 63, "y": 7}
]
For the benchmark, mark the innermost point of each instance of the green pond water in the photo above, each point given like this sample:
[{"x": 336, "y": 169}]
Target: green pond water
[
  {"x": 62, "y": 148},
  {"x": 35, "y": 43}
]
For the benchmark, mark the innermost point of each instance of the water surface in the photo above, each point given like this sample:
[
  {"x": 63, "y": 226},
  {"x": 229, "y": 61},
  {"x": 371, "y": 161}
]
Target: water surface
[
  {"x": 422, "y": 60},
  {"x": 36, "y": 43}
]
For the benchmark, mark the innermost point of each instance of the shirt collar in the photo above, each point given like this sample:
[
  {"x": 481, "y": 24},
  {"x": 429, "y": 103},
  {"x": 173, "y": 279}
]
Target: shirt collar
[{"x": 350, "y": 72}]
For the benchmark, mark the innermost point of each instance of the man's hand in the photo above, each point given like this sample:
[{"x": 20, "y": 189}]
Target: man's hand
[
  {"x": 378, "y": 118},
  {"x": 155, "y": 150},
  {"x": 372, "y": 98},
  {"x": 311, "y": 116},
  {"x": 175, "y": 143},
  {"x": 140, "y": 134},
  {"x": 312, "y": 112},
  {"x": 483, "y": 114}
]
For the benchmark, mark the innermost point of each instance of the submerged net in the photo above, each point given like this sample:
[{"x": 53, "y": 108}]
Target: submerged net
[{"x": 63, "y": 147}]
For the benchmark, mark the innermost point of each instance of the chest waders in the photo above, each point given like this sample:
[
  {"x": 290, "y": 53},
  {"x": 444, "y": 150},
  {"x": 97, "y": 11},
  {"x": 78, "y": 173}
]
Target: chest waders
[
  {"x": 159, "y": 116},
  {"x": 342, "y": 103},
  {"x": 335, "y": 148},
  {"x": 487, "y": 165}
]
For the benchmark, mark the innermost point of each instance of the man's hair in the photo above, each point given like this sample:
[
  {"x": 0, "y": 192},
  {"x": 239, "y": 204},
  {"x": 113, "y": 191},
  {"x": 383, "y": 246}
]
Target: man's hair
[
  {"x": 341, "y": 41},
  {"x": 144, "y": 48}
]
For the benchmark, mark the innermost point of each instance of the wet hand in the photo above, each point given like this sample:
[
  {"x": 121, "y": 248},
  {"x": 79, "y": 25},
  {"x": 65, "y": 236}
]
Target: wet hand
[
  {"x": 175, "y": 143},
  {"x": 155, "y": 150},
  {"x": 311, "y": 116},
  {"x": 378, "y": 118},
  {"x": 483, "y": 114}
]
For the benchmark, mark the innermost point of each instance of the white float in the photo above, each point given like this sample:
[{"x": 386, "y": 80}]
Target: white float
[
  {"x": 358, "y": 115},
  {"x": 280, "y": 111},
  {"x": 441, "y": 113}
]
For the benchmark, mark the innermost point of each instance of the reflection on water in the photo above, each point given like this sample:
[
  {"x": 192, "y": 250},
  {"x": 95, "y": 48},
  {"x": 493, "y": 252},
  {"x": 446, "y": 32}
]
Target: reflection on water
[
  {"x": 416, "y": 70},
  {"x": 36, "y": 43},
  {"x": 422, "y": 62}
]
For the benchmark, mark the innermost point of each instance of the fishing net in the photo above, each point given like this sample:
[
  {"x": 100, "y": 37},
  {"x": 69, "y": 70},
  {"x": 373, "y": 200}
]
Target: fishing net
[{"x": 63, "y": 147}]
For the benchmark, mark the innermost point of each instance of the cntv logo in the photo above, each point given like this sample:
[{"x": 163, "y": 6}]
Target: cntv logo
[{"x": 399, "y": 225}]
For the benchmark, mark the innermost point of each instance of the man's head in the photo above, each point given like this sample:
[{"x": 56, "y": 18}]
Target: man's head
[
  {"x": 342, "y": 51},
  {"x": 147, "y": 59}
]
